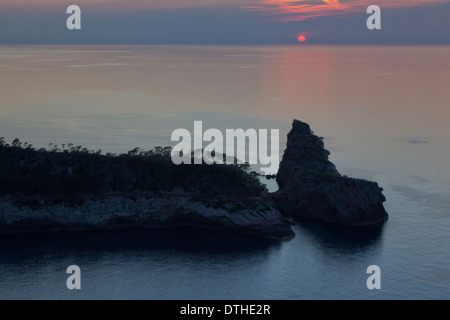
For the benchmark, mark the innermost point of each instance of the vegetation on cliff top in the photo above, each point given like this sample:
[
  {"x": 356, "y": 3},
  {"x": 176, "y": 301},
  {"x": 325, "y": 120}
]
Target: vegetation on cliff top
[{"x": 72, "y": 170}]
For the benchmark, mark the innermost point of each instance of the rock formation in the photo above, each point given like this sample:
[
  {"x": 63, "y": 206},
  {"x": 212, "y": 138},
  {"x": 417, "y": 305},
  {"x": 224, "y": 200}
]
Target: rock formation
[
  {"x": 58, "y": 190},
  {"x": 156, "y": 210},
  {"x": 311, "y": 186}
]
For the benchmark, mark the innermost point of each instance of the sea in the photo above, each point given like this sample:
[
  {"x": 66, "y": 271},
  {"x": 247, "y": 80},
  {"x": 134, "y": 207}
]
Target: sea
[{"x": 384, "y": 113}]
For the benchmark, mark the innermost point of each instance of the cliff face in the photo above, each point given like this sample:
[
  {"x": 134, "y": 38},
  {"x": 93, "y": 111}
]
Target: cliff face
[
  {"x": 262, "y": 219},
  {"x": 311, "y": 186}
]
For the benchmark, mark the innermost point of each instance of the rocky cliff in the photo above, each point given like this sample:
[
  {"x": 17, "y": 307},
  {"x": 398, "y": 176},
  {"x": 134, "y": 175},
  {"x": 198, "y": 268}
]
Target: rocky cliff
[
  {"x": 311, "y": 186},
  {"x": 254, "y": 216}
]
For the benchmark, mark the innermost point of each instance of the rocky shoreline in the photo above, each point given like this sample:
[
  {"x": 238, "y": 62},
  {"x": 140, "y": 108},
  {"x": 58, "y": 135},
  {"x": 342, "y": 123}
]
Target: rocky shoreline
[
  {"x": 310, "y": 187},
  {"x": 161, "y": 210}
]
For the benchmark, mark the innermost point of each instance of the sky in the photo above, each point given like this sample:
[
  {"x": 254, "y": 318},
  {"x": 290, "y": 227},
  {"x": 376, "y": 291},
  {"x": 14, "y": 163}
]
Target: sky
[{"x": 225, "y": 22}]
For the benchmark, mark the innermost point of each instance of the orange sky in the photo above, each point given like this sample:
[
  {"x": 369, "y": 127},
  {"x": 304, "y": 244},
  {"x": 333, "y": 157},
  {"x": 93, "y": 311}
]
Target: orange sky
[{"x": 292, "y": 10}]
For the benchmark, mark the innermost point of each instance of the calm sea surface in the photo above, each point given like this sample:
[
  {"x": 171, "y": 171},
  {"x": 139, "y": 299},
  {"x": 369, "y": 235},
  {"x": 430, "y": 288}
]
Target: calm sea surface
[{"x": 384, "y": 113}]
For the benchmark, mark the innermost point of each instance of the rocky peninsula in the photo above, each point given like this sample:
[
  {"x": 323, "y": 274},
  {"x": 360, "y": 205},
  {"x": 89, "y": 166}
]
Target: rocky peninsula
[{"x": 73, "y": 188}]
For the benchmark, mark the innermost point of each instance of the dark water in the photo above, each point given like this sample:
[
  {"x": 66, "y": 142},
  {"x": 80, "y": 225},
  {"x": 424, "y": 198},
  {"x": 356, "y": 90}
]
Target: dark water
[{"x": 322, "y": 262}]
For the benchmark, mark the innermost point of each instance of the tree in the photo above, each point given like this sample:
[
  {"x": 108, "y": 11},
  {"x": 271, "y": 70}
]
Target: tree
[
  {"x": 2, "y": 142},
  {"x": 167, "y": 151},
  {"x": 16, "y": 143},
  {"x": 134, "y": 152}
]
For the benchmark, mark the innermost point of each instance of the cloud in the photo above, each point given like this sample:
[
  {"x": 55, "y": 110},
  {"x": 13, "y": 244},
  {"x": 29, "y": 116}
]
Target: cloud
[{"x": 299, "y": 10}]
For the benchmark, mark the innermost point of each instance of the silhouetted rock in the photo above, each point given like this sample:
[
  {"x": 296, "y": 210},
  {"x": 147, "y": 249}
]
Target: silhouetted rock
[
  {"x": 53, "y": 190},
  {"x": 311, "y": 186}
]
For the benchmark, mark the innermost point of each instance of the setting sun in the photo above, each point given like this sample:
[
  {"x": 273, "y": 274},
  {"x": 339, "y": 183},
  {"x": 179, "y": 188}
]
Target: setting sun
[{"x": 301, "y": 38}]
